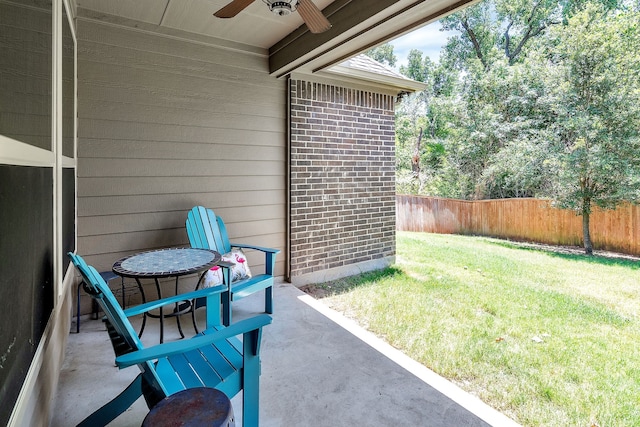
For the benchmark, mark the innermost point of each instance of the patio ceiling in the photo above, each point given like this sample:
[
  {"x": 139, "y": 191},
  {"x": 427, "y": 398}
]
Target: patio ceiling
[{"x": 357, "y": 25}]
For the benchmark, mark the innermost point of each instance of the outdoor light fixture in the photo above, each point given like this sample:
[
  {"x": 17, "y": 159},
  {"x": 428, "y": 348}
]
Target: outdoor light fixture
[{"x": 283, "y": 7}]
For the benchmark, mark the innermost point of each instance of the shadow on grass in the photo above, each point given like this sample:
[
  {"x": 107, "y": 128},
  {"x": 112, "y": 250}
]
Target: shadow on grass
[
  {"x": 346, "y": 284},
  {"x": 574, "y": 254}
]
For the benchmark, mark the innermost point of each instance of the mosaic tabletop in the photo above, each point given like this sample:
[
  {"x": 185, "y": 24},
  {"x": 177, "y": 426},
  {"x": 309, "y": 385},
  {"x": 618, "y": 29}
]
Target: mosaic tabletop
[{"x": 166, "y": 262}]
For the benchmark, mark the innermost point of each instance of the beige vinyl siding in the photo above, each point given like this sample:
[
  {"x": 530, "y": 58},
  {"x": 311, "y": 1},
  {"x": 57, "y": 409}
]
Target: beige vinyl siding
[
  {"x": 25, "y": 74},
  {"x": 166, "y": 124}
]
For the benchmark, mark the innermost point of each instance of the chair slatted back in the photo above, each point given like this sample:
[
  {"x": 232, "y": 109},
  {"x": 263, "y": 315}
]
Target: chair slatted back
[
  {"x": 99, "y": 290},
  {"x": 122, "y": 334},
  {"x": 206, "y": 230},
  {"x": 221, "y": 361}
]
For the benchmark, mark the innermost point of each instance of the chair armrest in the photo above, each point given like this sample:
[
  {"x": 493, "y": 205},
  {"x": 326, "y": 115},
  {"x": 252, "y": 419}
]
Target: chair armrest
[
  {"x": 142, "y": 308},
  {"x": 258, "y": 248},
  {"x": 210, "y": 337}
]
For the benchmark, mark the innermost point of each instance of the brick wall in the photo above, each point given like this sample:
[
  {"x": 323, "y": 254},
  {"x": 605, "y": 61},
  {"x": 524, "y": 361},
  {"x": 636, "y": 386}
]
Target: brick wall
[{"x": 342, "y": 181}]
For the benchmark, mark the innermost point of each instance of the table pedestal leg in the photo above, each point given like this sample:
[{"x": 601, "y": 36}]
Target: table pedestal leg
[
  {"x": 161, "y": 311},
  {"x": 161, "y": 316},
  {"x": 144, "y": 315},
  {"x": 176, "y": 311}
]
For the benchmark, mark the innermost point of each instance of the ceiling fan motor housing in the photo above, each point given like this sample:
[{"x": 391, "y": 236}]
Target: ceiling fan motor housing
[{"x": 281, "y": 8}]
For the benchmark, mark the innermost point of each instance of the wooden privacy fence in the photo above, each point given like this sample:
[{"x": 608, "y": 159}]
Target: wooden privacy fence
[{"x": 520, "y": 219}]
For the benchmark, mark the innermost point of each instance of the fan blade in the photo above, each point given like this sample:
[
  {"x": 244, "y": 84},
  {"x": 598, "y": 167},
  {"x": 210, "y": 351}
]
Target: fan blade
[
  {"x": 233, "y": 8},
  {"x": 313, "y": 17}
]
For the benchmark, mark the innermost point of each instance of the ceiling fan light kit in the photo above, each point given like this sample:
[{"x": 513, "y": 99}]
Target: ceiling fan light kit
[
  {"x": 309, "y": 12},
  {"x": 281, "y": 8}
]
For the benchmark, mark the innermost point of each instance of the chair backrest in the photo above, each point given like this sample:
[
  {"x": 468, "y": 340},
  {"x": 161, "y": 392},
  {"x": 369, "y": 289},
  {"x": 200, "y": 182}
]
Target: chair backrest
[
  {"x": 125, "y": 339},
  {"x": 206, "y": 230},
  {"x": 100, "y": 291}
]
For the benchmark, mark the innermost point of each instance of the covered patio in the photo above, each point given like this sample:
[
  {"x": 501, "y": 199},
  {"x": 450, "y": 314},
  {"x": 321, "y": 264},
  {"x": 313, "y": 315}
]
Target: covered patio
[
  {"x": 117, "y": 117},
  {"x": 318, "y": 369}
]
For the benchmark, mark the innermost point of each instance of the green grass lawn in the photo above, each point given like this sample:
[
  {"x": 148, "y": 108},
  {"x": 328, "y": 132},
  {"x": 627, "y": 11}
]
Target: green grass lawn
[{"x": 548, "y": 339}]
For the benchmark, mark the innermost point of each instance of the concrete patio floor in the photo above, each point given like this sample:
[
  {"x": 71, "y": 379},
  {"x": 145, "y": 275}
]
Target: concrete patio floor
[{"x": 318, "y": 369}]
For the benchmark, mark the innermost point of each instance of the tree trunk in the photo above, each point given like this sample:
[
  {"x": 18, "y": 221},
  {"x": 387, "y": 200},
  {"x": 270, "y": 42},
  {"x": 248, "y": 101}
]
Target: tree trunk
[
  {"x": 586, "y": 234},
  {"x": 476, "y": 44},
  {"x": 415, "y": 159},
  {"x": 415, "y": 166}
]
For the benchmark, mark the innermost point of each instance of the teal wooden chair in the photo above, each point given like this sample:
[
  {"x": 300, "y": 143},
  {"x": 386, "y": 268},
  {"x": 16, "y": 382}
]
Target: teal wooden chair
[
  {"x": 207, "y": 231},
  {"x": 215, "y": 358}
]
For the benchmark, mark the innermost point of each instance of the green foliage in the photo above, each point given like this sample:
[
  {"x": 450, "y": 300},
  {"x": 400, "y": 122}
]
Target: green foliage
[
  {"x": 495, "y": 30},
  {"x": 418, "y": 69},
  {"x": 594, "y": 83},
  {"x": 531, "y": 98},
  {"x": 425, "y": 119},
  {"x": 504, "y": 133},
  {"x": 383, "y": 54},
  {"x": 522, "y": 21},
  {"x": 478, "y": 36},
  {"x": 519, "y": 169}
]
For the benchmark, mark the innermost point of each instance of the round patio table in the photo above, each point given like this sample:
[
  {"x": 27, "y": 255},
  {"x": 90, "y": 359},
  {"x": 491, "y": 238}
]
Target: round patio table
[{"x": 164, "y": 263}]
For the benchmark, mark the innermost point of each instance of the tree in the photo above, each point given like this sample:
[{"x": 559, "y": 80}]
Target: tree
[
  {"x": 524, "y": 20},
  {"x": 477, "y": 39},
  {"x": 501, "y": 146},
  {"x": 502, "y": 29},
  {"x": 423, "y": 121},
  {"x": 594, "y": 67},
  {"x": 383, "y": 54},
  {"x": 417, "y": 68},
  {"x": 410, "y": 118},
  {"x": 519, "y": 108}
]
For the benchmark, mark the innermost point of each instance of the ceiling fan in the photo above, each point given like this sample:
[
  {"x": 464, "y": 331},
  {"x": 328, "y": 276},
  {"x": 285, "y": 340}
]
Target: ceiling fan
[{"x": 309, "y": 12}]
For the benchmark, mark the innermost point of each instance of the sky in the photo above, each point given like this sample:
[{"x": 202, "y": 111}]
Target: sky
[{"x": 428, "y": 39}]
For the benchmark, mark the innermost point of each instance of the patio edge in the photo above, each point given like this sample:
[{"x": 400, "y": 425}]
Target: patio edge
[{"x": 466, "y": 400}]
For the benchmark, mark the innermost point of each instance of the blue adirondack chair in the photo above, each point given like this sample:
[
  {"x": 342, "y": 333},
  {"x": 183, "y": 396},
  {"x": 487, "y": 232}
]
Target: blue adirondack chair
[
  {"x": 215, "y": 358},
  {"x": 207, "y": 231}
]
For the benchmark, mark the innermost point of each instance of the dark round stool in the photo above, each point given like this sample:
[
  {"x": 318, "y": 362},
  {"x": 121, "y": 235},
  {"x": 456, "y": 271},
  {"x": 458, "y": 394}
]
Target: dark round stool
[{"x": 193, "y": 407}]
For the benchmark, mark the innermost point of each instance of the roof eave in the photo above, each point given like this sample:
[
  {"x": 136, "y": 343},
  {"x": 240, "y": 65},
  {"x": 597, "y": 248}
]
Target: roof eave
[{"x": 398, "y": 84}]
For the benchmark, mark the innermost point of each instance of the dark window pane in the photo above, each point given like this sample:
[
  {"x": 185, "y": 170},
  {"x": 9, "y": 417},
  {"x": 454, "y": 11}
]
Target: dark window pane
[
  {"x": 68, "y": 214},
  {"x": 26, "y": 282}
]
